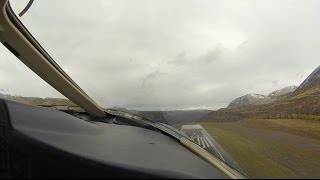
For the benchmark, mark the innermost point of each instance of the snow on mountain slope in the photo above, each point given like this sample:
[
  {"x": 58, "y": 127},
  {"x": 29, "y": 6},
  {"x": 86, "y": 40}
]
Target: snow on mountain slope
[{"x": 6, "y": 92}]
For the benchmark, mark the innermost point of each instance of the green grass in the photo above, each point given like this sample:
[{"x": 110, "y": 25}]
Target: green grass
[
  {"x": 307, "y": 92},
  {"x": 306, "y": 128},
  {"x": 254, "y": 145},
  {"x": 249, "y": 154}
]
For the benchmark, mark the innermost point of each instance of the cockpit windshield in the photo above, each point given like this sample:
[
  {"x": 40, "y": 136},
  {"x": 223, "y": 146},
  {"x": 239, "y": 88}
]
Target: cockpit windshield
[{"x": 246, "y": 71}]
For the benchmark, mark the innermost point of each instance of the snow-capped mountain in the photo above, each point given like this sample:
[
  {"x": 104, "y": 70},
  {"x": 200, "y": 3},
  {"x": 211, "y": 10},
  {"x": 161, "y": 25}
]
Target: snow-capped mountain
[
  {"x": 254, "y": 99},
  {"x": 249, "y": 99},
  {"x": 283, "y": 91},
  {"x": 6, "y": 92},
  {"x": 259, "y": 96},
  {"x": 312, "y": 80}
]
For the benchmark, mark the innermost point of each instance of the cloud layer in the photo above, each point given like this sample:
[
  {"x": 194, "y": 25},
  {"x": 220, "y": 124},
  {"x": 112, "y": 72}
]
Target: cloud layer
[{"x": 168, "y": 54}]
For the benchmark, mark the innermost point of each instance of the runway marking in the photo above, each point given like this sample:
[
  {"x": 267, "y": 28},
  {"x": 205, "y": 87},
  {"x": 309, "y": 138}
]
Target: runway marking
[
  {"x": 202, "y": 143},
  {"x": 205, "y": 140},
  {"x": 200, "y": 136},
  {"x": 211, "y": 144}
]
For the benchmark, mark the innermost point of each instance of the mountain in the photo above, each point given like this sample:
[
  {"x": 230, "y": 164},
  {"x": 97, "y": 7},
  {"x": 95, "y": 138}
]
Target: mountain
[
  {"x": 155, "y": 116},
  {"x": 249, "y": 99},
  {"x": 256, "y": 99},
  {"x": 5, "y": 92},
  {"x": 283, "y": 91},
  {"x": 290, "y": 103},
  {"x": 184, "y": 116},
  {"x": 312, "y": 80}
]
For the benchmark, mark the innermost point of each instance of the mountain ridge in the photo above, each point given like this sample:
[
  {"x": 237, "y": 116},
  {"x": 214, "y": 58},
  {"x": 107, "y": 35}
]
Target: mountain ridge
[
  {"x": 6, "y": 92},
  {"x": 256, "y": 99},
  {"x": 302, "y": 103},
  {"x": 312, "y": 80},
  {"x": 288, "y": 102}
]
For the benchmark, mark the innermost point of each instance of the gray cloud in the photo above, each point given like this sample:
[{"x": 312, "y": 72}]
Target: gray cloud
[
  {"x": 151, "y": 76},
  {"x": 213, "y": 55},
  {"x": 180, "y": 60},
  {"x": 171, "y": 54}
]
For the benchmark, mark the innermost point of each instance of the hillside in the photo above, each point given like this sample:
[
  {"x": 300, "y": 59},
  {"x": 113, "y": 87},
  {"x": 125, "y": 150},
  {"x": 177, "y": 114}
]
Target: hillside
[
  {"x": 312, "y": 80},
  {"x": 155, "y": 116},
  {"x": 250, "y": 99},
  {"x": 291, "y": 102},
  {"x": 257, "y": 99},
  {"x": 184, "y": 116},
  {"x": 304, "y": 106},
  {"x": 283, "y": 91},
  {"x": 303, "y": 103}
]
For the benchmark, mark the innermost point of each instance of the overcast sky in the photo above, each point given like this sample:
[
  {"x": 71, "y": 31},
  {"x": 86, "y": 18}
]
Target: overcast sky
[{"x": 170, "y": 54}]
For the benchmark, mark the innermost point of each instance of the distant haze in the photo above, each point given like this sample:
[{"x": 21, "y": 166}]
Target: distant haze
[{"x": 165, "y": 54}]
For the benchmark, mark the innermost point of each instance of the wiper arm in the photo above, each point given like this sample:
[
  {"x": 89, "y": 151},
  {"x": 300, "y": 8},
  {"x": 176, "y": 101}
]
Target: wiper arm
[
  {"x": 164, "y": 128},
  {"x": 125, "y": 114},
  {"x": 20, "y": 41},
  {"x": 185, "y": 141}
]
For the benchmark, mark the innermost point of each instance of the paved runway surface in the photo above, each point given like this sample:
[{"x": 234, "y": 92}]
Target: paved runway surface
[{"x": 200, "y": 136}]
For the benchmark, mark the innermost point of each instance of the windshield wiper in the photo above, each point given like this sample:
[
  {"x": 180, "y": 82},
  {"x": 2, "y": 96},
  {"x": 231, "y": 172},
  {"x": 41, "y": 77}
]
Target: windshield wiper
[
  {"x": 185, "y": 141},
  {"x": 170, "y": 131},
  {"x": 22, "y": 44}
]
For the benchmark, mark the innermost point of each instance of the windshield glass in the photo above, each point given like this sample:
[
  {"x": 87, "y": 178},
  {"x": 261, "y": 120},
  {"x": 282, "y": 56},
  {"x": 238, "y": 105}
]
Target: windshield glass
[
  {"x": 246, "y": 71},
  {"x": 18, "y": 83}
]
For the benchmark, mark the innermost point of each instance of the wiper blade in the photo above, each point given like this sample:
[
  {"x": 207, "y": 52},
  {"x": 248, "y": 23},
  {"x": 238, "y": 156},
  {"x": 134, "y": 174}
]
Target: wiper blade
[
  {"x": 125, "y": 114},
  {"x": 185, "y": 141},
  {"x": 33, "y": 55},
  {"x": 159, "y": 126},
  {"x": 58, "y": 105},
  {"x": 65, "y": 108}
]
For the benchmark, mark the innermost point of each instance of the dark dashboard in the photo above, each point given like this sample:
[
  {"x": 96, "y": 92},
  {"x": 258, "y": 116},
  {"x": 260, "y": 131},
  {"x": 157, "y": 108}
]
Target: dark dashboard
[{"x": 38, "y": 142}]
